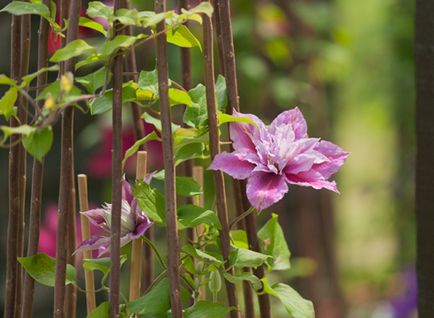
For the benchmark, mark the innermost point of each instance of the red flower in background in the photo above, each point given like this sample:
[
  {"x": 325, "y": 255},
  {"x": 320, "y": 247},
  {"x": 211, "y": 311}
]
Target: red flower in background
[
  {"x": 100, "y": 164},
  {"x": 48, "y": 232}
]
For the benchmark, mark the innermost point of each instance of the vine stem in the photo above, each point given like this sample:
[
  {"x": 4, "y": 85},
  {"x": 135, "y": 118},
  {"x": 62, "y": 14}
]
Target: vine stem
[
  {"x": 116, "y": 179},
  {"x": 65, "y": 298},
  {"x": 221, "y": 202},
  {"x": 14, "y": 189},
  {"x": 169, "y": 166}
]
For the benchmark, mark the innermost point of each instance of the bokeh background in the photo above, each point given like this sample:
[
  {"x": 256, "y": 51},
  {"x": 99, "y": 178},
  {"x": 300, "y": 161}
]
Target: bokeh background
[{"x": 348, "y": 65}]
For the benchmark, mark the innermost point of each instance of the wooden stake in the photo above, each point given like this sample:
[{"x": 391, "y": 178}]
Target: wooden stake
[
  {"x": 198, "y": 177},
  {"x": 169, "y": 167},
  {"x": 137, "y": 245},
  {"x": 214, "y": 142},
  {"x": 85, "y": 235}
]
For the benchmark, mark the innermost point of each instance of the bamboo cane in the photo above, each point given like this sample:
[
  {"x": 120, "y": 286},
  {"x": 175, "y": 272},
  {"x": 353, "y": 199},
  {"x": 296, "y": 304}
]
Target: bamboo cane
[
  {"x": 137, "y": 244},
  {"x": 89, "y": 279}
]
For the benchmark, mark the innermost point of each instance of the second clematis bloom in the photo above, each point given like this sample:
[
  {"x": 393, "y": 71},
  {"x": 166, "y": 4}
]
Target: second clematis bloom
[
  {"x": 272, "y": 156},
  {"x": 134, "y": 222}
]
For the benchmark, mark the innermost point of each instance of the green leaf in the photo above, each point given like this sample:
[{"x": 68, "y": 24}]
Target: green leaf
[
  {"x": 197, "y": 253},
  {"x": 7, "y": 102},
  {"x": 54, "y": 90},
  {"x": 97, "y": 9},
  {"x": 101, "y": 264},
  {"x": 239, "y": 238},
  {"x": 244, "y": 276},
  {"x": 241, "y": 257},
  {"x": 127, "y": 16},
  {"x": 192, "y": 215},
  {"x": 222, "y": 99},
  {"x": 24, "y": 130},
  {"x": 295, "y": 305},
  {"x": 72, "y": 49},
  {"x": 29, "y": 78},
  {"x": 182, "y": 37},
  {"x": 134, "y": 148},
  {"x": 150, "y": 201},
  {"x": 191, "y": 151},
  {"x": 207, "y": 309},
  {"x": 42, "y": 268},
  {"x": 102, "y": 311},
  {"x": 179, "y": 97},
  {"x": 185, "y": 186},
  {"x": 153, "y": 304},
  {"x": 38, "y": 144},
  {"x": 149, "y": 81},
  {"x": 92, "y": 24},
  {"x": 226, "y": 118},
  {"x": 5, "y": 80},
  {"x": 119, "y": 42},
  {"x": 23, "y": 7},
  {"x": 274, "y": 243},
  {"x": 196, "y": 115},
  {"x": 204, "y": 7},
  {"x": 104, "y": 103},
  {"x": 94, "y": 80}
]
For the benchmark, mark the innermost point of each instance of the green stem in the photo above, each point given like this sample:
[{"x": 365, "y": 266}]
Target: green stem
[
  {"x": 242, "y": 216},
  {"x": 157, "y": 253}
]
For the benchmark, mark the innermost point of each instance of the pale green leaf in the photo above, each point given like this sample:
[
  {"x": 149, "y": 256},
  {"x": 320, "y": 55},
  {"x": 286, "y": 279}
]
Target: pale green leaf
[
  {"x": 23, "y": 7},
  {"x": 7, "y": 102},
  {"x": 39, "y": 143},
  {"x": 72, "y": 49},
  {"x": 92, "y": 24}
]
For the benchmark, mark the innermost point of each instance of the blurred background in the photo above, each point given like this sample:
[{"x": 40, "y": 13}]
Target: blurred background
[{"x": 348, "y": 66}]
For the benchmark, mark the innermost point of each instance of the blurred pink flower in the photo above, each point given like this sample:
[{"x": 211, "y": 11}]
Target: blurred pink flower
[
  {"x": 48, "y": 230},
  {"x": 100, "y": 164},
  {"x": 272, "y": 156}
]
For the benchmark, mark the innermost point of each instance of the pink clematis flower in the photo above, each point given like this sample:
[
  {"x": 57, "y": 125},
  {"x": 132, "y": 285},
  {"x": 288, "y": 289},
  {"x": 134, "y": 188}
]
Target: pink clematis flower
[
  {"x": 272, "y": 156},
  {"x": 134, "y": 222}
]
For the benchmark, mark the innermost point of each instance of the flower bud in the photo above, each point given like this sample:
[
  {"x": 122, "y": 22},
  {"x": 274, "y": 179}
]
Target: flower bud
[
  {"x": 215, "y": 282},
  {"x": 49, "y": 103},
  {"x": 66, "y": 81}
]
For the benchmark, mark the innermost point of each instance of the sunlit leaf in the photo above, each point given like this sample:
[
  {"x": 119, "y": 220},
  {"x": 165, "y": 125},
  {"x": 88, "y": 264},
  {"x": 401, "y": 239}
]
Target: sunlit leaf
[
  {"x": 274, "y": 243},
  {"x": 95, "y": 80},
  {"x": 7, "y": 102},
  {"x": 72, "y": 49},
  {"x": 151, "y": 201},
  {"x": 97, "y": 9},
  {"x": 179, "y": 97},
  {"x": 182, "y": 37},
  {"x": 92, "y": 24},
  {"x": 23, "y": 7}
]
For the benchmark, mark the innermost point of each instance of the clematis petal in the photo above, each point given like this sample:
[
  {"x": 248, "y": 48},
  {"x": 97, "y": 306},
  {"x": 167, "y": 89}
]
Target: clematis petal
[
  {"x": 336, "y": 156},
  {"x": 96, "y": 217},
  {"x": 233, "y": 164},
  {"x": 265, "y": 189},
  {"x": 312, "y": 179},
  {"x": 242, "y": 134},
  {"x": 95, "y": 242},
  {"x": 293, "y": 117},
  {"x": 127, "y": 193}
]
